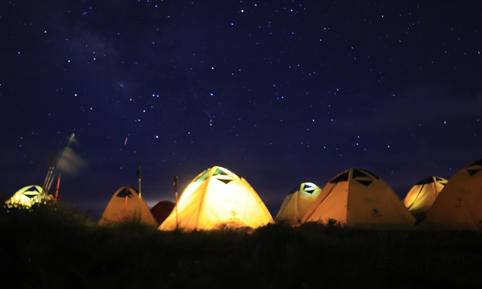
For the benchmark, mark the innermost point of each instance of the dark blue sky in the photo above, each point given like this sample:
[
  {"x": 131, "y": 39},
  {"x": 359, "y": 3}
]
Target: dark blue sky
[{"x": 277, "y": 91}]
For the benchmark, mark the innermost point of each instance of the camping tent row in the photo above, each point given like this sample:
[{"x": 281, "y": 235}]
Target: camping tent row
[
  {"x": 359, "y": 198},
  {"x": 218, "y": 198},
  {"x": 418, "y": 200},
  {"x": 354, "y": 197}
]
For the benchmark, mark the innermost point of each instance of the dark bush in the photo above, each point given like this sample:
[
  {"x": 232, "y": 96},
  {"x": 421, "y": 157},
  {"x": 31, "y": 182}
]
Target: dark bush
[{"x": 54, "y": 247}]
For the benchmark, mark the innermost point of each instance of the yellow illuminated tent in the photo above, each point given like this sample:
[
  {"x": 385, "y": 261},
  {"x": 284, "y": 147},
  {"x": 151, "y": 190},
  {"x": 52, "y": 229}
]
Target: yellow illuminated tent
[
  {"x": 127, "y": 205},
  {"x": 359, "y": 198},
  {"x": 421, "y": 196},
  {"x": 296, "y": 204},
  {"x": 459, "y": 204},
  {"x": 217, "y": 198},
  {"x": 28, "y": 196}
]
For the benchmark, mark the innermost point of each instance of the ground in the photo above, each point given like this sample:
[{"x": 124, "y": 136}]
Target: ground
[{"x": 57, "y": 248}]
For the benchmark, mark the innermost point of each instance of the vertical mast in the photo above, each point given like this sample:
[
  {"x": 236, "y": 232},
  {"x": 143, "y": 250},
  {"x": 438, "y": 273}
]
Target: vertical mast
[
  {"x": 174, "y": 188},
  {"x": 139, "y": 181}
]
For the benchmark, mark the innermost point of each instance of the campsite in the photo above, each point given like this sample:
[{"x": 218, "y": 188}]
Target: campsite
[
  {"x": 219, "y": 230},
  {"x": 246, "y": 144}
]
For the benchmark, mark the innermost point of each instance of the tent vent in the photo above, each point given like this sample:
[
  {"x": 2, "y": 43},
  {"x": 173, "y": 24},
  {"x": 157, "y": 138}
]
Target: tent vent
[
  {"x": 364, "y": 182},
  {"x": 358, "y": 173},
  {"x": 124, "y": 193},
  {"x": 30, "y": 195},
  {"x": 473, "y": 171},
  {"x": 33, "y": 189},
  {"x": 225, "y": 181},
  {"x": 310, "y": 190},
  {"x": 341, "y": 178}
]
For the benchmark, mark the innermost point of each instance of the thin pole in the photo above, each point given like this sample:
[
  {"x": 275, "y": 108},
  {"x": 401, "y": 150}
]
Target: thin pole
[
  {"x": 174, "y": 188},
  {"x": 48, "y": 179},
  {"x": 139, "y": 180},
  {"x": 57, "y": 189}
]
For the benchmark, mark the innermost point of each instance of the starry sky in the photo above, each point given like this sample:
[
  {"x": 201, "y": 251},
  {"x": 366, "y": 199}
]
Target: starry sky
[{"x": 279, "y": 92}]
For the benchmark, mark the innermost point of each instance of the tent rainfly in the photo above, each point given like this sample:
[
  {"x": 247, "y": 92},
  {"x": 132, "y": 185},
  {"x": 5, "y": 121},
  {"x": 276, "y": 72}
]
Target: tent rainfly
[
  {"x": 421, "y": 196},
  {"x": 217, "y": 198},
  {"x": 127, "y": 205},
  {"x": 296, "y": 204},
  {"x": 358, "y": 198},
  {"x": 161, "y": 210},
  {"x": 459, "y": 204},
  {"x": 28, "y": 196}
]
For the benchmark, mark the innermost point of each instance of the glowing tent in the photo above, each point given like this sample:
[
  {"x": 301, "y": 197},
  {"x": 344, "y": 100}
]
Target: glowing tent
[
  {"x": 28, "y": 196},
  {"x": 421, "y": 196},
  {"x": 161, "y": 210},
  {"x": 127, "y": 205},
  {"x": 359, "y": 198},
  {"x": 217, "y": 198},
  {"x": 459, "y": 204},
  {"x": 296, "y": 204}
]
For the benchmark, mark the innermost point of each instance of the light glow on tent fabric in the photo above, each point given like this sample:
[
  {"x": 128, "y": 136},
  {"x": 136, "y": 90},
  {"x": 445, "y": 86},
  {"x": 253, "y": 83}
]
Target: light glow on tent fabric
[
  {"x": 126, "y": 205},
  {"x": 296, "y": 204},
  {"x": 422, "y": 195},
  {"x": 357, "y": 197},
  {"x": 218, "y": 198},
  {"x": 29, "y": 196},
  {"x": 459, "y": 205}
]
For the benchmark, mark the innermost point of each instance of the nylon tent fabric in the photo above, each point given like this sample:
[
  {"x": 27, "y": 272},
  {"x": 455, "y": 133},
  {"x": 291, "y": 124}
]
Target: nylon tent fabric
[
  {"x": 126, "y": 205},
  {"x": 161, "y": 210},
  {"x": 423, "y": 194},
  {"x": 358, "y": 198},
  {"x": 29, "y": 196},
  {"x": 459, "y": 204},
  {"x": 296, "y": 204},
  {"x": 217, "y": 198}
]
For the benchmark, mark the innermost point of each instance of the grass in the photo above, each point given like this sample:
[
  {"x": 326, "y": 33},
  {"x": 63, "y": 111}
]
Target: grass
[{"x": 53, "y": 247}]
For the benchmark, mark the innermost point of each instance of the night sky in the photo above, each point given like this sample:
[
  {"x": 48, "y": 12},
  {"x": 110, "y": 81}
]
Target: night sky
[{"x": 277, "y": 91}]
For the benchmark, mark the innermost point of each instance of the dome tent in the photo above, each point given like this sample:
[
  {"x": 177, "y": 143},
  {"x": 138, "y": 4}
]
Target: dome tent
[
  {"x": 358, "y": 198},
  {"x": 161, "y": 210},
  {"x": 296, "y": 204},
  {"x": 423, "y": 194},
  {"x": 459, "y": 204},
  {"x": 29, "y": 196},
  {"x": 127, "y": 205},
  {"x": 217, "y": 198}
]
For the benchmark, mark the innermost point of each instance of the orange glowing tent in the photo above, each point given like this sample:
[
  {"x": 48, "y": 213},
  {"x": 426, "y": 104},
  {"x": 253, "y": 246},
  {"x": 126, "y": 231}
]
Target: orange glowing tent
[
  {"x": 423, "y": 194},
  {"x": 296, "y": 204},
  {"x": 359, "y": 198},
  {"x": 459, "y": 204},
  {"x": 127, "y": 205}
]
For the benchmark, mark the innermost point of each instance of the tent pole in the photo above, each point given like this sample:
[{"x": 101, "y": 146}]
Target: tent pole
[
  {"x": 57, "y": 189},
  {"x": 174, "y": 187},
  {"x": 48, "y": 179},
  {"x": 139, "y": 180}
]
